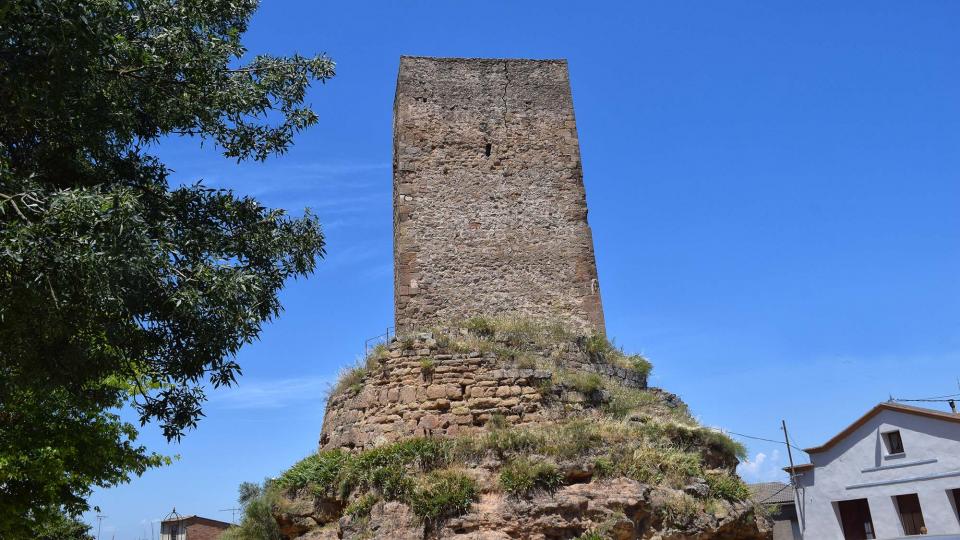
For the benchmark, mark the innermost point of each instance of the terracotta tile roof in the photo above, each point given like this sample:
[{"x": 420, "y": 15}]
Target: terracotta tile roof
[
  {"x": 194, "y": 517},
  {"x": 771, "y": 493}
]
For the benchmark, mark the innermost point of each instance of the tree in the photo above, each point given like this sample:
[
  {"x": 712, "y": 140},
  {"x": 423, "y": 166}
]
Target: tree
[
  {"x": 117, "y": 289},
  {"x": 62, "y": 527},
  {"x": 257, "y": 522}
]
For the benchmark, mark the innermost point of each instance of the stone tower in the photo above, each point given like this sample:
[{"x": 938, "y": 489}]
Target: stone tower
[{"x": 490, "y": 214}]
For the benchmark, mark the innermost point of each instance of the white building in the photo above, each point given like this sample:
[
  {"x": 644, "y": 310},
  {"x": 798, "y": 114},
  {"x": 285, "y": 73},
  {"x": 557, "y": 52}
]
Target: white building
[{"x": 895, "y": 472}]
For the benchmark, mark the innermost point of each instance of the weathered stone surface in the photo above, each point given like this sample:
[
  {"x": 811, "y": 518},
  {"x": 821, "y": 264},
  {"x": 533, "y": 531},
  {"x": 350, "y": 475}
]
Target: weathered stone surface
[
  {"x": 398, "y": 401},
  {"x": 490, "y": 219},
  {"x": 490, "y": 213},
  {"x": 623, "y": 509}
]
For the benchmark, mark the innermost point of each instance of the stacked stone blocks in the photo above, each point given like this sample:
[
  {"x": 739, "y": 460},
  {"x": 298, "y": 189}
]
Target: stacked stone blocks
[
  {"x": 419, "y": 388},
  {"x": 490, "y": 212}
]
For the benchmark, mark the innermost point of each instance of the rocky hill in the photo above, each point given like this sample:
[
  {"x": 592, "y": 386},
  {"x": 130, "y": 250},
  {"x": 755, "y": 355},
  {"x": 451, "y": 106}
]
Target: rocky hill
[{"x": 511, "y": 429}]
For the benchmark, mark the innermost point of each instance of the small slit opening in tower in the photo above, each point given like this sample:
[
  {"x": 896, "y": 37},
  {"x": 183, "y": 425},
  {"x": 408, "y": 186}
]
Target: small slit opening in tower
[{"x": 486, "y": 151}]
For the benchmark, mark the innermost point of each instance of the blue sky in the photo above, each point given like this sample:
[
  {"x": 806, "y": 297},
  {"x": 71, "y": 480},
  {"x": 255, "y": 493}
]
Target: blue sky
[{"x": 773, "y": 192}]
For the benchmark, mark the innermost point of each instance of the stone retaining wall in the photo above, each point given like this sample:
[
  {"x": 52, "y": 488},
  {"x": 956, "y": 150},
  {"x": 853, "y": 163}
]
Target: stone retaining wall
[{"x": 421, "y": 389}]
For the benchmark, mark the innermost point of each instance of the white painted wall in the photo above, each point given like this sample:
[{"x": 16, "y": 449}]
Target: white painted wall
[{"x": 839, "y": 475}]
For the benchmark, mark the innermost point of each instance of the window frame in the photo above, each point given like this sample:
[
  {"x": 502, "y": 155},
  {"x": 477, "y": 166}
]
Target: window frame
[
  {"x": 888, "y": 442},
  {"x": 916, "y": 521},
  {"x": 855, "y": 513},
  {"x": 953, "y": 495}
]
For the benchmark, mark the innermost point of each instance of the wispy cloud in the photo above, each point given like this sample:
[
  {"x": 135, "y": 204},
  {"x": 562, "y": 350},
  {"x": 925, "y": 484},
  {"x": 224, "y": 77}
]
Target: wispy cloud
[
  {"x": 763, "y": 467},
  {"x": 272, "y": 394},
  {"x": 328, "y": 188}
]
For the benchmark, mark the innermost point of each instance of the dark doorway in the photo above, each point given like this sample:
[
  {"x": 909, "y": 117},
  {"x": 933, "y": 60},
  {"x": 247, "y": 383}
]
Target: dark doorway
[
  {"x": 910, "y": 515},
  {"x": 855, "y": 519}
]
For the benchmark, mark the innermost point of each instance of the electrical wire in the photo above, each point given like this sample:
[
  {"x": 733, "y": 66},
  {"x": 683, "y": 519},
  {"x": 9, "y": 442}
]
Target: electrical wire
[
  {"x": 926, "y": 400},
  {"x": 774, "y": 494},
  {"x": 764, "y": 439}
]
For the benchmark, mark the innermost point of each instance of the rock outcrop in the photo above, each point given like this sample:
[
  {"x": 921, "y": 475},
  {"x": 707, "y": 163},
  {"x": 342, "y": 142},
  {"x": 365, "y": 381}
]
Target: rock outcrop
[{"x": 505, "y": 429}]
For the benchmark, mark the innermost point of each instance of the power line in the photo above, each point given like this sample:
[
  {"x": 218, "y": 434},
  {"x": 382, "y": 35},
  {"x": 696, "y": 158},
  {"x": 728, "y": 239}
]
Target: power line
[
  {"x": 775, "y": 493},
  {"x": 927, "y": 400},
  {"x": 764, "y": 439}
]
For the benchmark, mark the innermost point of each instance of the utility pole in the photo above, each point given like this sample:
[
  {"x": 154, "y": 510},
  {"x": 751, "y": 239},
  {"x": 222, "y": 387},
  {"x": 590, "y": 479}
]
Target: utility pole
[
  {"x": 99, "y": 523},
  {"x": 793, "y": 483}
]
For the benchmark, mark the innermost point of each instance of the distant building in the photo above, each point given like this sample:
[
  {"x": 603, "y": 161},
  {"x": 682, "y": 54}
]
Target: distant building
[
  {"x": 893, "y": 473},
  {"x": 192, "y": 528},
  {"x": 778, "y": 498}
]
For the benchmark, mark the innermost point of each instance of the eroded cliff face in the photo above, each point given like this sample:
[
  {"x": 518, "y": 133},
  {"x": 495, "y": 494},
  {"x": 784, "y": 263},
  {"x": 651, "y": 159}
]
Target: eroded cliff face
[
  {"x": 618, "y": 509},
  {"x": 511, "y": 429}
]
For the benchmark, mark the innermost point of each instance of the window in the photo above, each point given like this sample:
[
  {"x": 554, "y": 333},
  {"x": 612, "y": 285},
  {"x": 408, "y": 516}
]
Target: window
[
  {"x": 855, "y": 520},
  {"x": 910, "y": 515},
  {"x": 955, "y": 500},
  {"x": 894, "y": 442}
]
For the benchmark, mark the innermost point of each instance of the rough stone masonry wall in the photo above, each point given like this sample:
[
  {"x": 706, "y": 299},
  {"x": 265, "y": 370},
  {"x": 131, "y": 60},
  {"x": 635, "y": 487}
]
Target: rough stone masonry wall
[
  {"x": 490, "y": 213},
  {"x": 459, "y": 393}
]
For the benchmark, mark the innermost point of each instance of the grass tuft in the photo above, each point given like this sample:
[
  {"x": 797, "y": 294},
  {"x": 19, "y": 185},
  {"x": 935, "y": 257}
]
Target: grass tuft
[
  {"x": 427, "y": 366},
  {"x": 443, "y": 494},
  {"x": 724, "y": 485},
  {"x": 521, "y": 477}
]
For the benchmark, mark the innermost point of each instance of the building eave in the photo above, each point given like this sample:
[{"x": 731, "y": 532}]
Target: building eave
[{"x": 886, "y": 406}]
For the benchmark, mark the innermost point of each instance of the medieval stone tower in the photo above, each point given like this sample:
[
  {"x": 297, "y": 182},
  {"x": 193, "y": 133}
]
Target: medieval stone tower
[
  {"x": 500, "y": 409},
  {"x": 490, "y": 214}
]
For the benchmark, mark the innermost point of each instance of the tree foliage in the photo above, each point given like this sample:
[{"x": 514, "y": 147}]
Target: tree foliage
[
  {"x": 115, "y": 287},
  {"x": 257, "y": 521},
  {"x": 62, "y": 527}
]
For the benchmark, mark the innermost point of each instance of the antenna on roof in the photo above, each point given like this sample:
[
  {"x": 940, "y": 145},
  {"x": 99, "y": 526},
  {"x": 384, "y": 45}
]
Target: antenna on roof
[{"x": 233, "y": 514}]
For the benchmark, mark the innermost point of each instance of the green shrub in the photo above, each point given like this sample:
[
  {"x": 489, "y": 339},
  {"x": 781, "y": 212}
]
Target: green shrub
[
  {"x": 545, "y": 387},
  {"x": 521, "y": 476},
  {"x": 572, "y": 439},
  {"x": 427, "y": 365},
  {"x": 624, "y": 401},
  {"x": 724, "y": 443},
  {"x": 386, "y": 469},
  {"x": 500, "y": 442},
  {"x": 679, "y": 510},
  {"x": 597, "y": 346},
  {"x": 662, "y": 465},
  {"x": 321, "y": 471},
  {"x": 481, "y": 327},
  {"x": 697, "y": 436},
  {"x": 603, "y": 467},
  {"x": 443, "y": 494},
  {"x": 351, "y": 379},
  {"x": 640, "y": 364},
  {"x": 724, "y": 485},
  {"x": 497, "y": 421},
  {"x": 443, "y": 340},
  {"x": 257, "y": 522},
  {"x": 360, "y": 508},
  {"x": 380, "y": 352},
  {"x": 585, "y": 383}
]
